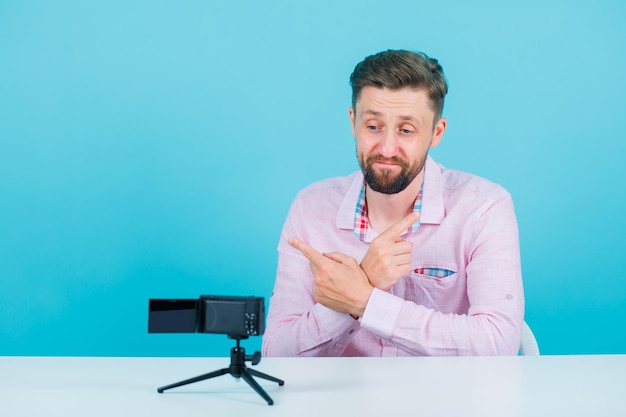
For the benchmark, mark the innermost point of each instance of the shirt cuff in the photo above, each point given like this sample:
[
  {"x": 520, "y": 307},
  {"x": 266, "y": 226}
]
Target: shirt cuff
[
  {"x": 333, "y": 322},
  {"x": 381, "y": 313}
]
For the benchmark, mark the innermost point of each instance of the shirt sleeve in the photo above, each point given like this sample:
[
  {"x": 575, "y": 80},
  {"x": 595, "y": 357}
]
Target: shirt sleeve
[
  {"x": 296, "y": 324},
  {"x": 493, "y": 322}
]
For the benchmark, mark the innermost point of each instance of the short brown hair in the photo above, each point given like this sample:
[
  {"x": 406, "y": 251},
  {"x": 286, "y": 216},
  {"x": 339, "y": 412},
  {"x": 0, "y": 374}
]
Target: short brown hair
[{"x": 396, "y": 69}]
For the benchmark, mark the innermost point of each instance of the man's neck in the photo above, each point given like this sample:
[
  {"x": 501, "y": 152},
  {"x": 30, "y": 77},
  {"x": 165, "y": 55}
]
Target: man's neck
[{"x": 383, "y": 210}]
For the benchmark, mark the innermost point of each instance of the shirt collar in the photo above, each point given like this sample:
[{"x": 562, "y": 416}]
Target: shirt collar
[{"x": 432, "y": 210}]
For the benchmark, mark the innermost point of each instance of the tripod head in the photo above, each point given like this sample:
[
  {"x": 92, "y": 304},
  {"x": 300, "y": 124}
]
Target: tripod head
[{"x": 238, "y": 354}]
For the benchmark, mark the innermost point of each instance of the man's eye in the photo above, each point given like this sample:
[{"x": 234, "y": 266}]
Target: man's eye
[
  {"x": 372, "y": 128},
  {"x": 406, "y": 131}
]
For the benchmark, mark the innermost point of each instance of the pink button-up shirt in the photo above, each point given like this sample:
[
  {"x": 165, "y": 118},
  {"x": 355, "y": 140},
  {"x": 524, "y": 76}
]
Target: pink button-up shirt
[{"x": 468, "y": 228}]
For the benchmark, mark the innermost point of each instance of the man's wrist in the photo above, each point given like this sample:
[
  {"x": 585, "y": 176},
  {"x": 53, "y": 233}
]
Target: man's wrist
[{"x": 358, "y": 313}]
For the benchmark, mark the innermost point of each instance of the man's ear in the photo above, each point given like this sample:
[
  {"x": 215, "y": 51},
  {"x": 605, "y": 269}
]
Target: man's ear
[
  {"x": 352, "y": 116},
  {"x": 440, "y": 128}
]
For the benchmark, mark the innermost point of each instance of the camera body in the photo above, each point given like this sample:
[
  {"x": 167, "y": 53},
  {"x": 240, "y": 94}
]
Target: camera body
[{"x": 231, "y": 315}]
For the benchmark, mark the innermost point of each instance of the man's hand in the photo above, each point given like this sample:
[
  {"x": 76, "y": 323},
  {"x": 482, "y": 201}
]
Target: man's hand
[
  {"x": 389, "y": 256},
  {"x": 340, "y": 284}
]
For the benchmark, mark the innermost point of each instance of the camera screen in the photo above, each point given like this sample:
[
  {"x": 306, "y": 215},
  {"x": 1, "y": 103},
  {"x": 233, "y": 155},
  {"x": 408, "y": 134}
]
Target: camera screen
[
  {"x": 172, "y": 316},
  {"x": 224, "y": 316}
]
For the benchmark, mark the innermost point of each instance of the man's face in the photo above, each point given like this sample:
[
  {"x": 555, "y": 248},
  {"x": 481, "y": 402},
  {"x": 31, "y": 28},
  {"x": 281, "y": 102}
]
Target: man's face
[{"x": 393, "y": 131}]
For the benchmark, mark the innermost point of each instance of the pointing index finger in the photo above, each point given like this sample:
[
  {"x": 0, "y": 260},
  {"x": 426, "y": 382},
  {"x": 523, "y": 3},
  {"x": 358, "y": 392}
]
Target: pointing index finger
[
  {"x": 307, "y": 250},
  {"x": 396, "y": 229}
]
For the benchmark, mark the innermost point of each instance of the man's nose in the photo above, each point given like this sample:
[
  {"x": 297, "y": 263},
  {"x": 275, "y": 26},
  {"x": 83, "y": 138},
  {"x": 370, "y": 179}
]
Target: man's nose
[{"x": 388, "y": 145}]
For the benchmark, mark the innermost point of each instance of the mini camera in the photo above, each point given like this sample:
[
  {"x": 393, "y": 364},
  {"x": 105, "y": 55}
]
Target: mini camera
[{"x": 231, "y": 315}]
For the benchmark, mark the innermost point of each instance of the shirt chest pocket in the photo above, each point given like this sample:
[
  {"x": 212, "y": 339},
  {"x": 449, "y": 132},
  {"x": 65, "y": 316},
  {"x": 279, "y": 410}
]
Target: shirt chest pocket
[{"x": 432, "y": 277}]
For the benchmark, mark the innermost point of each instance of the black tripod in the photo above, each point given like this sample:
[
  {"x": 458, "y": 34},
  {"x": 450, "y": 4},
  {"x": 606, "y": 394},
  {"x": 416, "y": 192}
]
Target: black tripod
[{"x": 237, "y": 369}]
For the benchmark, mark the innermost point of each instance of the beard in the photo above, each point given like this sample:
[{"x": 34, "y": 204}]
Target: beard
[{"x": 385, "y": 181}]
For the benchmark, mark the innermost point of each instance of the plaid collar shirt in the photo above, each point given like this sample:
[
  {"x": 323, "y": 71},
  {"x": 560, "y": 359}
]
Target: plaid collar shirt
[
  {"x": 361, "y": 223},
  {"x": 462, "y": 296}
]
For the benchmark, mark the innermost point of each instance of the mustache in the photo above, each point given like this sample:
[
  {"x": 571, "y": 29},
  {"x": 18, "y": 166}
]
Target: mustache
[{"x": 392, "y": 160}]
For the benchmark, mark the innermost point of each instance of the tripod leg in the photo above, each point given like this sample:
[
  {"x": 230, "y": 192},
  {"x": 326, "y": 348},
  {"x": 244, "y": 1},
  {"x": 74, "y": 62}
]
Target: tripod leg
[
  {"x": 195, "y": 379},
  {"x": 266, "y": 376},
  {"x": 250, "y": 380}
]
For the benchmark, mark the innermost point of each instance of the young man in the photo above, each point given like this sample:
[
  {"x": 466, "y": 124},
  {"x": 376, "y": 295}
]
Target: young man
[{"x": 405, "y": 257}]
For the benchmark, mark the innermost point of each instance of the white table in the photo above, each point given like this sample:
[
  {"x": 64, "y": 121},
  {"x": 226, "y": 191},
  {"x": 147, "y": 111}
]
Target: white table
[{"x": 454, "y": 386}]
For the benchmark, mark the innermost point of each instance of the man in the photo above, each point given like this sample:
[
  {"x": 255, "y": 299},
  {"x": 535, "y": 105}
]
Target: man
[{"x": 406, "y": 257}]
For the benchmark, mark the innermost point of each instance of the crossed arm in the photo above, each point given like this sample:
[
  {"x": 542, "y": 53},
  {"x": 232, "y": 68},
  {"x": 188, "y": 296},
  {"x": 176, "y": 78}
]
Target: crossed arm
[{"x": 343, "y": 285}]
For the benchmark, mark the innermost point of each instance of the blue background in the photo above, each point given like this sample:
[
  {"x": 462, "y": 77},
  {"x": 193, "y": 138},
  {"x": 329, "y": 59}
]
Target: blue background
[{"x": 152, "y": 148}]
